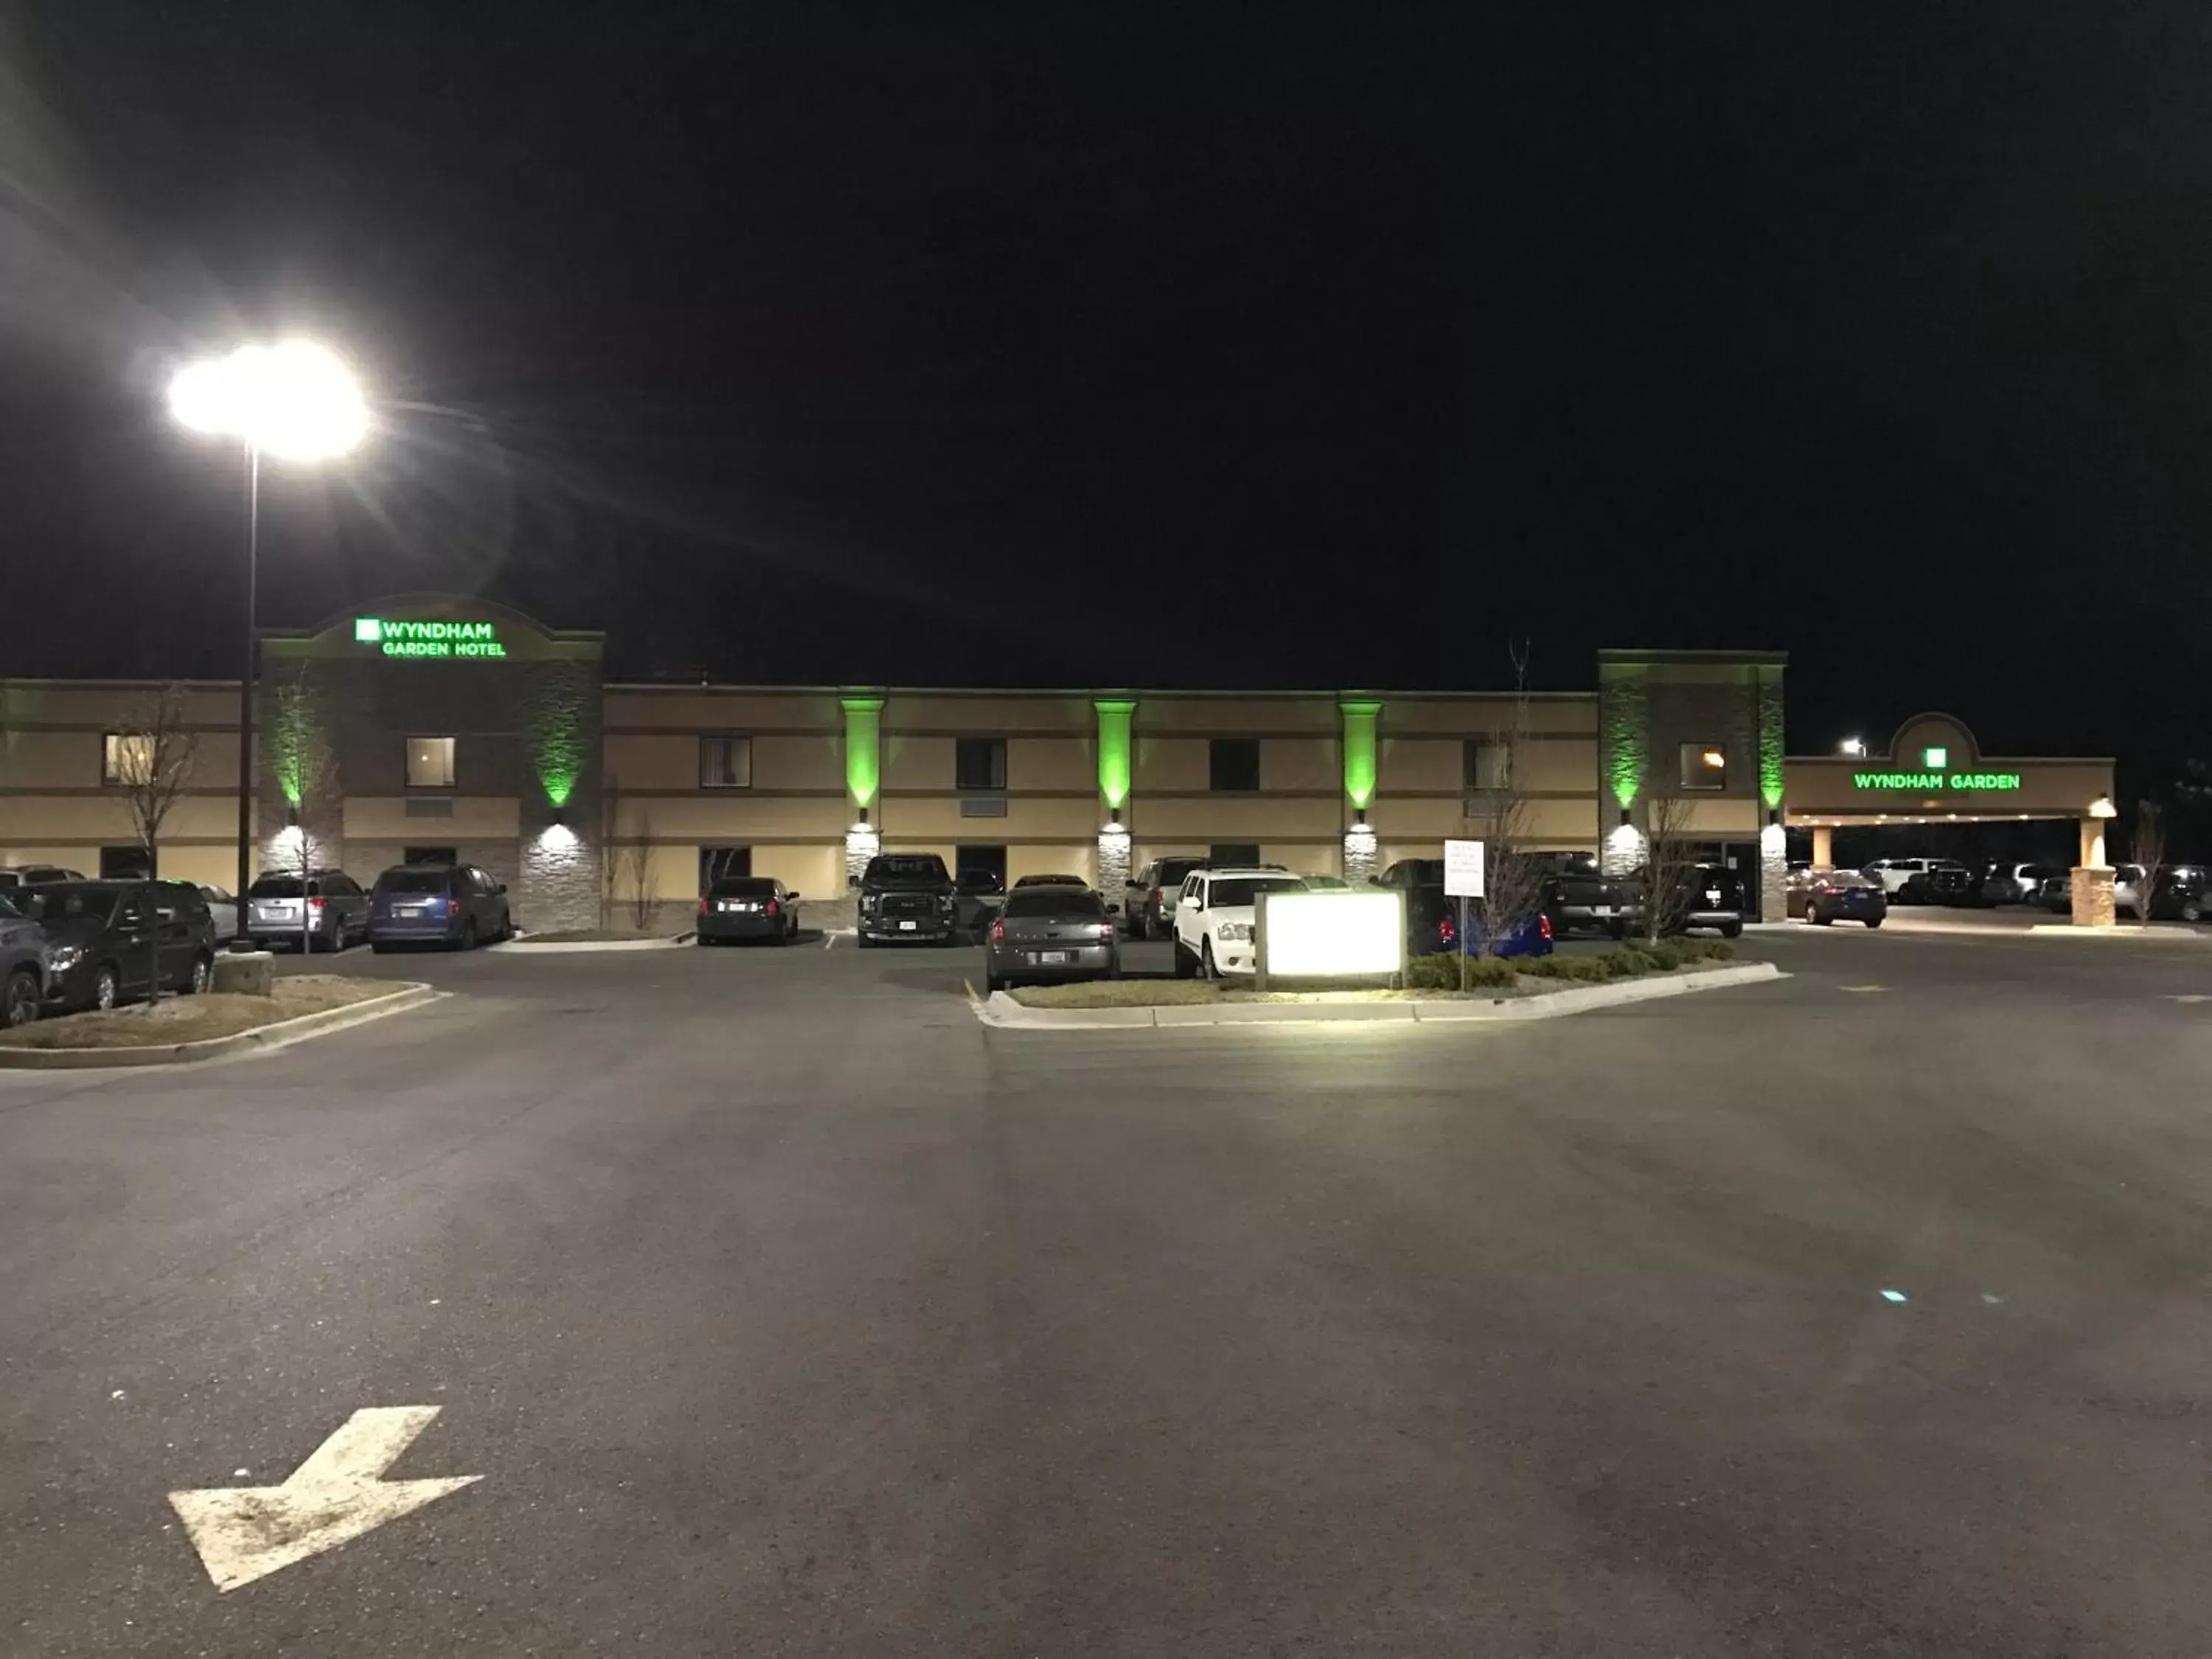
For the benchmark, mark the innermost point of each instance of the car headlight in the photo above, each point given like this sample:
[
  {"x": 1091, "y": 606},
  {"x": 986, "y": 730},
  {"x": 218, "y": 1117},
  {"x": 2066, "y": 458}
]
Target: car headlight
[
  {"x": 947, "y": 902},
  {"x": 68, "y": 956},
  {"x": 1234, "y": 930},
  {"x": 867, "y": 902}
]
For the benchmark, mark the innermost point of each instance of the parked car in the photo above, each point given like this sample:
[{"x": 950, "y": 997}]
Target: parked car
[
  {"x": 1051, "y": 930},
  {"x": 336, "y": 910},
  {"x": 2015, "y": 884},
  {"x": 748, "y": 908},
  {"x": 1831, "y": 896},
  {"x": 907, "y": 899},
  {"x": 456, "y": 906},
  {"x": 977, "y": 895},
  {"x": 1528, "y": 935},
  {"x": 2183, "y": 893},
  {"x": 2056, "y": 894},
  {"x": 1214, "y": 916},
  {"x": 1710, "y": 895},
  {"x": 223, "y": 906},
  {"x": 25, "y": 875},
  {"x": 1942, "y": 883},
  {"x": 108, "y": 941},
  {"x": 1579, "y": 895},
  {"x": 1148, "y": 901},
  {"x": 1894, "y": 873},
  {"x": 2127, "y": 888},
  {"x": 1428, "y": 911},
  {"x": 22, "y": 966}
]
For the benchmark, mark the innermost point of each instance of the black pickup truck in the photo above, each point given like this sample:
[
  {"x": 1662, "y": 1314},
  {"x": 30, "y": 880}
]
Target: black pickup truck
[
  {"x": 1579, "y": 895},
  {"x": 908, "y": 897}
]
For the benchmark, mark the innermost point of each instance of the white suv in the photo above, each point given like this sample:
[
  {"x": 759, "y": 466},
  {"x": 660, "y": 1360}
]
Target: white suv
[{"x": 1213, "y": 918}]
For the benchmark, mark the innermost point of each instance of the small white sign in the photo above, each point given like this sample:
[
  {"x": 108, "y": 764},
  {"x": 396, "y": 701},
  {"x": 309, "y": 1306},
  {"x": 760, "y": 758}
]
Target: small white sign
[{"x": 1462, "y": 869}]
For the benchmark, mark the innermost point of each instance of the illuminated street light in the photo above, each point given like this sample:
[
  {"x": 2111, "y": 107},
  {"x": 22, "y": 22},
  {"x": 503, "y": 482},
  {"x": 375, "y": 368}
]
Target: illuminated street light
[
  {"x": 1853, "y": 746},
  {"x": 295, "y": 401}
]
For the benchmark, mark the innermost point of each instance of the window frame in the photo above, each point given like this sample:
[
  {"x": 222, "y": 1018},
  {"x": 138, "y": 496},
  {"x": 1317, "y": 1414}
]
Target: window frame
[
  {"x": 1472, "y": 751},
  {"x": 110, "y": 774},
  {"x": 1214, "y": 751},
  {"x": 740, "y": 738},
  {"x": 1693, "y": 776},
  {"x": 995, "y": 749},
  {"x": 453, "y": 760}
]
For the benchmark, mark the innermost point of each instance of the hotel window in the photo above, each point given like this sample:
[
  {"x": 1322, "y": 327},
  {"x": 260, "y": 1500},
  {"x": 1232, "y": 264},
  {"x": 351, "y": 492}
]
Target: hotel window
[
  {"x": 1704, "y": 766},
  {"x": 125, "y": 756},
  {"x": 429, "y": 763},
  {"x": 725, "y": 763},
  {"x": 979, "y": 764},
  {"x": 1232, "y": 766},
  {"x": 1489, "y": 764}
]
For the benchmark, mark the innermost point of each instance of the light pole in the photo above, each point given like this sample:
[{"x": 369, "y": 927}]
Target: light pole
[{"x": 295, "y": 401}]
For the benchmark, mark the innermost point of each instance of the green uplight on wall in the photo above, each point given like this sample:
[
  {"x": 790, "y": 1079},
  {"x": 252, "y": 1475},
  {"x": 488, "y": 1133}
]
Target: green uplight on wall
[
  {"x": 1770, "y": 739},
  {"x": 863, "y": 765},
  {"x": 1113, "y": 750},
  {"x": 558, "y": 747},
  {"x": 1360, "y": 750}
]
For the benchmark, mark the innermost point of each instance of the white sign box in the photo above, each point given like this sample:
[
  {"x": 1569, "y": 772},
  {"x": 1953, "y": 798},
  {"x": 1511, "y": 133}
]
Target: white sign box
[
  {"x": 1333, "y": 933},
  {"x": 1462, "y": 869}
]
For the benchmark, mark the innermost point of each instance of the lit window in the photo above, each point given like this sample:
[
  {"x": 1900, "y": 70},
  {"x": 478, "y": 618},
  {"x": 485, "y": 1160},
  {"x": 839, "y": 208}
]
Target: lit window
[
  {"x": 1934, "y": 758},
  {"x": 1704, "y": 766},
  {"x": 127, "y": 758},
  {"x": 1489, "y": 764},
  {"x": 725, "y": 763},
  {"x": 429, "y": 763}
]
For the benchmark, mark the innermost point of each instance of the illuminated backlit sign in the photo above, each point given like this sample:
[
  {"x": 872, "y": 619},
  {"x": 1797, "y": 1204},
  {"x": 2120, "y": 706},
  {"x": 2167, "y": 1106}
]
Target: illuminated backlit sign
[
  {"x": 429, "y": 639},
  {"x": 1333, "y": 933},
  {"x": 1924, "y": 782},
  {"x": 1935, "y": 757}
]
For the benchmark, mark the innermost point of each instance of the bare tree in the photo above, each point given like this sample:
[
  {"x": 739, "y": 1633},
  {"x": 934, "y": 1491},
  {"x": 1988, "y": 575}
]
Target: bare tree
[
  {"x": 153, "y": 760},
  {"x": 2149, "y": 848},
  {"x": 1500, "y": 811},
  {"x": 1667, "y": 863},
  {"x": 629, "y": 856},
  {"x": 305, "y": 765}
]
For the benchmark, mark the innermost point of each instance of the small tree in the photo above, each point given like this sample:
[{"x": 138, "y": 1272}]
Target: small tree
[
  {"x": 1667, "y": 863},
  {"x": 628, "y": 857},
  {"x": 154, "y": 761},
  {"x": 305, "y": 765},
  {"x": 2150, "y": 852},
  {"x": 1498, "y": 812}
]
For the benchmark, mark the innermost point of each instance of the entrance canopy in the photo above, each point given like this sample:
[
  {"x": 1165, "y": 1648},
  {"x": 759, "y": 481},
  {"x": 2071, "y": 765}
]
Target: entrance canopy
[{"x": 1934, "y": 772}]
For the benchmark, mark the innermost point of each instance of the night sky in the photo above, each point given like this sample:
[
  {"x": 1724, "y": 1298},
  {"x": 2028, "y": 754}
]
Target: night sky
[{"x": 980, "y": 344}]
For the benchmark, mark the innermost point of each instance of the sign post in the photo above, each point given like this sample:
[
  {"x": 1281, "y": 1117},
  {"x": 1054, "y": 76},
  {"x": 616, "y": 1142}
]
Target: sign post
[{"x": 1462, "y": 881}]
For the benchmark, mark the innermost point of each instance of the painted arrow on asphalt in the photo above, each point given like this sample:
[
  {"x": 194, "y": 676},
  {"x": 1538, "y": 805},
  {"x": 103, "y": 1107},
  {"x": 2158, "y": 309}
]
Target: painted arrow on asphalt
[{"x": 246, "y": 1532}]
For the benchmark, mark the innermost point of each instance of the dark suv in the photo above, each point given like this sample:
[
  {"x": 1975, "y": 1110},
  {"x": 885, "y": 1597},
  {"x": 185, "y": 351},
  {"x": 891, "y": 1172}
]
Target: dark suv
[
  {"x": 108, "y": 941},
  {"x": 455, "y": 905},
  {"x": 907, "y": 896},
  {"x": 22, "y": 966}
]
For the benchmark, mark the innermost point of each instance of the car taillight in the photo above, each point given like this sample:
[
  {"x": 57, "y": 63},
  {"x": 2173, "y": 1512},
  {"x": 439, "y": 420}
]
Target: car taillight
[
  {"x": 998, "y": 932},
  {"x": 1105, "y": 933},
  {"x": 314, "y": 904},
  {"x": 702, "y": 907},
  {"x": 1447, "y": 932},
  {"x": 1544, "y": 924},
  {"x": 771, "y": 906}
]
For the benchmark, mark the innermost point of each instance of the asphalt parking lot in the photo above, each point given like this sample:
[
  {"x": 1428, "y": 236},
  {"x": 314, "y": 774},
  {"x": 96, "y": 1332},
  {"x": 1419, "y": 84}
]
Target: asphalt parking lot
[{"x": 781, "y": 1308}]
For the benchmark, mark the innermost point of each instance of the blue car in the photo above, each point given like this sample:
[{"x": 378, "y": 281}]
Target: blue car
[
  {"x": 1833, "y": 896},
  {"x": 455, "y": 906},
  {"x": 1529, "y": 936}
]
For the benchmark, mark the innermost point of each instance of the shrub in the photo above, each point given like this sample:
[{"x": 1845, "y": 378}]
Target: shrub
[
  {"x": 1626, "y": 962},
  {"x": 1440, "y": 972},
  {"x": 1666, "y": 955}
]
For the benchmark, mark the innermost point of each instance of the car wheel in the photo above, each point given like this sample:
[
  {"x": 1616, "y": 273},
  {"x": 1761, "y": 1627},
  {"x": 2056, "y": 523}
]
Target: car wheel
[
  {"x": 19, "y": 1002},
  {"x": 1205, "y": 966},
  {"x": 992, "y": 983},
  {"x": 468, "y": 934},
  {"x": 1732, "y": 930},
  {"x": 1873, "y": 922},
  {"x": 105, "y": 988},
  {"x": 1820, "y": 920},
  {"x": 2191, "y": 910},
  {"x": 783, "y": 936},
  {"x": 203, "y": 975},
  {"x": 1184, "y": 966}
]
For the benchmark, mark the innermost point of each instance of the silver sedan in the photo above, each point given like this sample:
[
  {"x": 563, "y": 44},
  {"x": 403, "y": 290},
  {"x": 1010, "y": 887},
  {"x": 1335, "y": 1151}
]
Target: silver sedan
[{"x": 1051, "y": 933}]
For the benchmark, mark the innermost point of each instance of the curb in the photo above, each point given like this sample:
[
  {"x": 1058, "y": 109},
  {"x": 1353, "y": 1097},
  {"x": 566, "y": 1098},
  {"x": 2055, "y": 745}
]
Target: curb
[
  {"x": 1002, "y": 1013},
  {"x": 2156, "y": 933},
  {"x": 282, "y": 1034},
  {"x": 560, "y": 947}
]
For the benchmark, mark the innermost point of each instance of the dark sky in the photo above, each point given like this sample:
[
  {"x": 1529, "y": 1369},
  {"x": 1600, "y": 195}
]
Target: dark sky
[{"x": 970, "y": 344}]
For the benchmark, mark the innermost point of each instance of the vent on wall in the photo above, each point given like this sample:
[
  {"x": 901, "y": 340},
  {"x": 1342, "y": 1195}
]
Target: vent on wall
[
  {"x": 429, "y": 806},
  {"x": 982, "y": 807}
]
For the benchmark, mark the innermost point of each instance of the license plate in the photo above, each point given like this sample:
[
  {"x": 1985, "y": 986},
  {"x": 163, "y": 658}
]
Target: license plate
[
  {"x": 906, "y": 928},
  {"x": 412, "y": 911},
  {"x": 1053, "y": 958}
]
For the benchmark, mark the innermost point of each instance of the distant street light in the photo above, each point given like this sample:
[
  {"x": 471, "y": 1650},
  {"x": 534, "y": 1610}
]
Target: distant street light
[
  {"x": 295, "y": 401},
  {"x": 1853, "y": 745}
]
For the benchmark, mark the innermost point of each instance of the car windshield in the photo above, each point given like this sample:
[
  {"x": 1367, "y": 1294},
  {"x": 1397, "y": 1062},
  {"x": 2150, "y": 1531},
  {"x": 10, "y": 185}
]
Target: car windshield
[
  {"x": 398, "y": 881},
  {"x": 1073, "y": 902},
  {"x": 1052, "y": 881},
  {"x": 1425, "y": 873},
  {"x": 905, "y": 867},
  {"x": 1845, "y": 879},
  {"x": 275, "y": 887},
  {"x": 744, "y": 887},
  {"x": 67, "y": 901},
  {"x": 1244, "y": 890}
]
